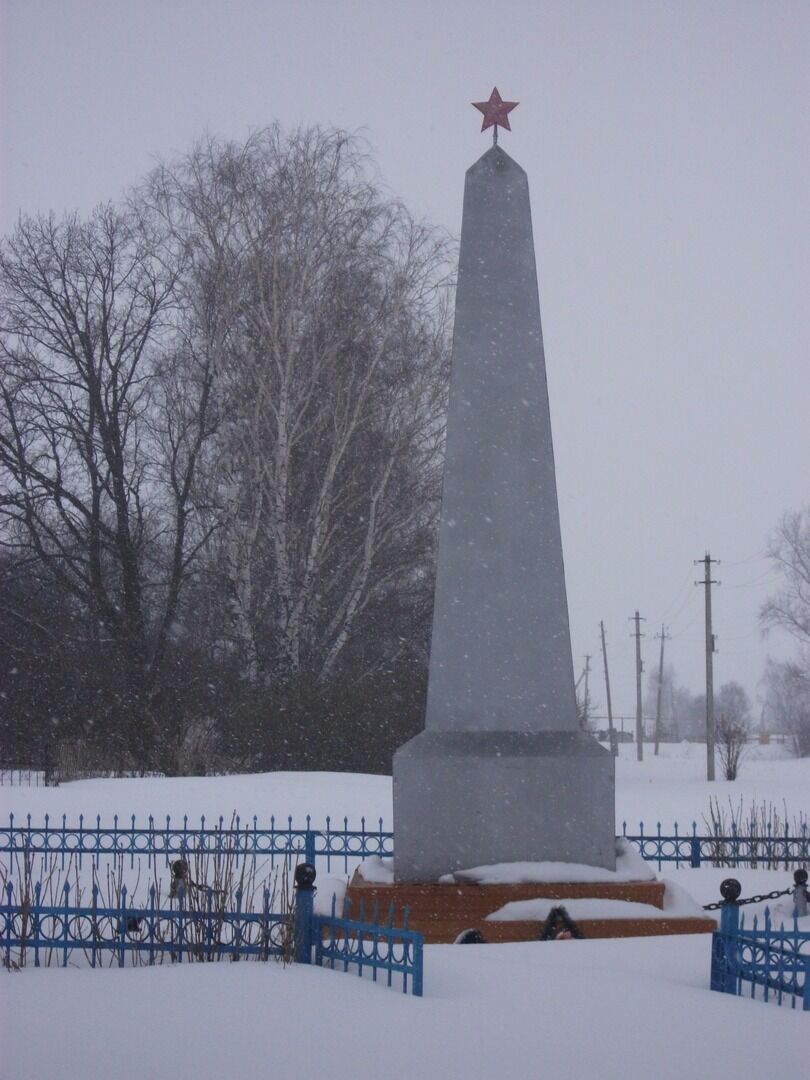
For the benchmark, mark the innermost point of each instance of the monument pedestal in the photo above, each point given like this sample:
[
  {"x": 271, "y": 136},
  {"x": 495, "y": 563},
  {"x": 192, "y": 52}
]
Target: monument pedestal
[
  {"x": 502, "y": 771},
  {"x": 475, "y": 798},
  {"x": 442, "y": 912}
]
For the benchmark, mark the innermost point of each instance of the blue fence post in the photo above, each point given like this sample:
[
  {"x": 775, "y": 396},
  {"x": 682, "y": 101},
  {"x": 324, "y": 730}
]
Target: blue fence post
[
  {"x": 66, "y": 924},
  {"x": 800, "y": 893},
  {"x": 717, "y": 976},
  {"x": 694, "y": 848},
  {"x": 729, "y": 915},
  {"x": 9, "y": 897},
  {"x": 724, "y": 941},
  {"x": 304, "y": 907},
  {"x": 35, "y": 925},
  {"x": 122, "y": 924},
  {"x": 309, "y": 846},
  {"x": 416, "y": 979}
]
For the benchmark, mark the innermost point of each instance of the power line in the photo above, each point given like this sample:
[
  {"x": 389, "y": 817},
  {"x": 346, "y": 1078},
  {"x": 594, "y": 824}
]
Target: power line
[
  {"x": 687, "y": 594},
  {"x": 763, "y": 579},
  {"x": 688, "y": 626},
  {"x": 758, "y": 557},
  {"x": 598, "y": 716}
]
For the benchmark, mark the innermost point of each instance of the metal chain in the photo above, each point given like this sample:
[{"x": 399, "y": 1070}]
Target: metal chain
[{"x": 751, "y": 899}]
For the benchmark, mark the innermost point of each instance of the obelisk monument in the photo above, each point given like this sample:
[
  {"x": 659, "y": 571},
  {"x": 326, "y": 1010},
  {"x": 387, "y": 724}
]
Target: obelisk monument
[{"x": 502, "y": 771}]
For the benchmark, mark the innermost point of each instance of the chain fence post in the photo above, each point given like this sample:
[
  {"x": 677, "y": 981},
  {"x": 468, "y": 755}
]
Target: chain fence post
[
  {"x": 724, "y": 941},
  {"x": 304, "y": 909},
  {"x": 800, "y": 906}
]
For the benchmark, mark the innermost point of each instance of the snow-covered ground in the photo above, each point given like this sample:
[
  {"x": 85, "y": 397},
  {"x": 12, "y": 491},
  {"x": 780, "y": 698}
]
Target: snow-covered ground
[
  {"x": 670, "y": 788},
  {"x": 628, "y": 1008},
  {"x": 615, "y": 1010}
]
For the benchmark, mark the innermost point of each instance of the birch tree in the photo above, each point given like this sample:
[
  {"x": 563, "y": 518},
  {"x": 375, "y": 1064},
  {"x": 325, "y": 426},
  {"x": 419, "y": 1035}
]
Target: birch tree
[{"x": 324, "y": 307}]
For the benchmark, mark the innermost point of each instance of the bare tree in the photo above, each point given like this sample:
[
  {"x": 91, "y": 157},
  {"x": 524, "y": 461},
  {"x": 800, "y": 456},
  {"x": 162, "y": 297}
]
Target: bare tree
[
  {"x": 789, "y": 550},
  {"x": 683, "y": 714},
  {"x": 97, "y": 461},
  {"x": 220, "y": 457},
  {"x": 325, "y": 319},
  {"x": 732, "y": 729},
  {"x": 788, "y": 684},
  {"x": 787, "y": 702},
  {"x": 730, "y": 739}
]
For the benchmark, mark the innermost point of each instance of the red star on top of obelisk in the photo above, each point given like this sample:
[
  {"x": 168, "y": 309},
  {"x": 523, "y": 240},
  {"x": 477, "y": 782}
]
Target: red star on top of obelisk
[{"x": 496, "y": 112}]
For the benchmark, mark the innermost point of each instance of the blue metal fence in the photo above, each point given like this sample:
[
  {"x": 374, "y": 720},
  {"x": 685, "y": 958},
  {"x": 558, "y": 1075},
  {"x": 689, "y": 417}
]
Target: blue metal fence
[
  {"x": 339, "y": 846},
  {"x": 343, "y": 942},
  {"x": 192, "y": 931},
  {"x": 761, "y": 962},
  {"x": 768, "y": 850},
  {"x": 89, "y": 838},
  {"x": 204, "y": 928}
]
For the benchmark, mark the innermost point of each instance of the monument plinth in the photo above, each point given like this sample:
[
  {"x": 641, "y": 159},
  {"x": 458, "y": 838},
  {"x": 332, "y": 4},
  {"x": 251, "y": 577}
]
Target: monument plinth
[
  {"x": 502, "y": 771},
  {"x": 442, "y": 912}
]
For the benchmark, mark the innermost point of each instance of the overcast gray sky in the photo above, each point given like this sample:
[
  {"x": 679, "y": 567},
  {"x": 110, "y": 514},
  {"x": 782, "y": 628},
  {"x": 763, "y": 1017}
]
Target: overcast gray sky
[{"x": 667, "y": 147}]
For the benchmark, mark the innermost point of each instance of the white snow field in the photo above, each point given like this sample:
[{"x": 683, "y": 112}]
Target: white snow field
[
  {"x": 669, "y": 788},
  {"x": 629, "y": 1009}
]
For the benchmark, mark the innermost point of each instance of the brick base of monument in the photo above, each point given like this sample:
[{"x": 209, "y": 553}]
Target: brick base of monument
[{"x": 442, "y": 912}]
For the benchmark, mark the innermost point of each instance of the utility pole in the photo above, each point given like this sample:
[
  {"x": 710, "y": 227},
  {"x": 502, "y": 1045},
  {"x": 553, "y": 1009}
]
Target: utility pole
[
  {"x": 707, "y": 583},
  {"x": 614, "y": 748},
  {"x": 586, "y": 706},
  {"x": 664, "y": 636},
  {"x": 639, "y": 668}
]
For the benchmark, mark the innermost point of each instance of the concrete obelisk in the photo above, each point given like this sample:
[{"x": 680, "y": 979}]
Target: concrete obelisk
[{"x": 502, "y": 771}]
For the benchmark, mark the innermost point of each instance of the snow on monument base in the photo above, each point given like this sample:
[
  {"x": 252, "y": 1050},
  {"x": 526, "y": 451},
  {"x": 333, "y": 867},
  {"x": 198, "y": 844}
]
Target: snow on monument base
[{"x": 475, "y": 798}]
